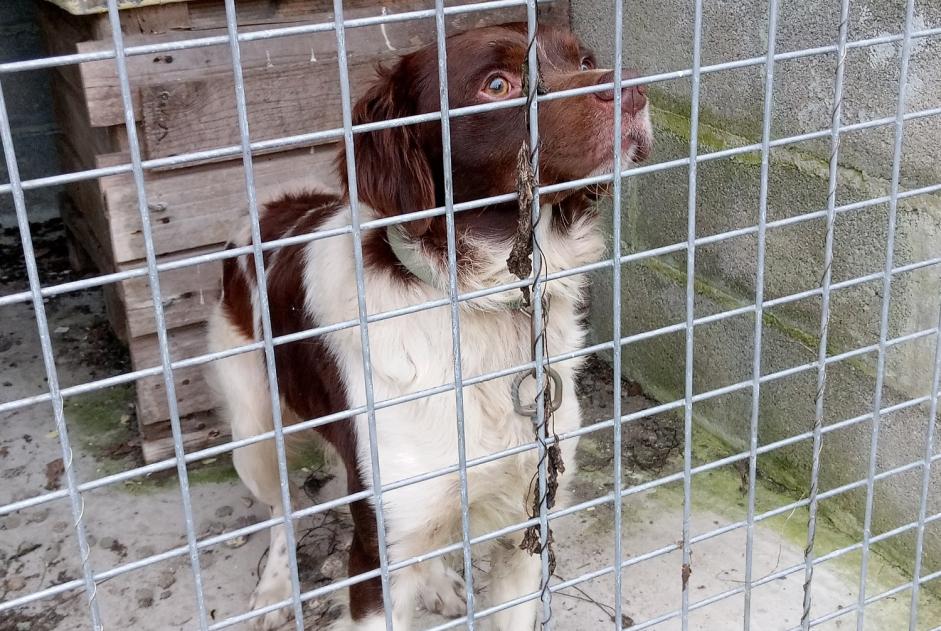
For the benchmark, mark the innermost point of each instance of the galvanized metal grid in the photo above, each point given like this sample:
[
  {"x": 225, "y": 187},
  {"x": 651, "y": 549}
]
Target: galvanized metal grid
[{"x": 233, "y": 39}]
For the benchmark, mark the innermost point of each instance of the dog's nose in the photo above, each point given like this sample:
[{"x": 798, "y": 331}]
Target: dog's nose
[{"x": 633, "y": 99}]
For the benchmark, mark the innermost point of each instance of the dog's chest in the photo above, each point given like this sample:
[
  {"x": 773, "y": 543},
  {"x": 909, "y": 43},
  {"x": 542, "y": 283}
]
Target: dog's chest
[
  {"x": 418, "y": 437},
  {"x": 418, "y": 415},
  {"x": 413, "y": 355}
]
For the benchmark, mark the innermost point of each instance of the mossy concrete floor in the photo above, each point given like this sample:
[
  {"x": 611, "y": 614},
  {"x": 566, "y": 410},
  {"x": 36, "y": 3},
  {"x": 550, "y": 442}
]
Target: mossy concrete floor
[{"x": 143, "y": 517}]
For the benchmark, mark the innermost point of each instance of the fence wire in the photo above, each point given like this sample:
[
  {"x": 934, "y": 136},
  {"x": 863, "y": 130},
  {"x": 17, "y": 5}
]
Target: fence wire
[{"x": 137, "y": 167}]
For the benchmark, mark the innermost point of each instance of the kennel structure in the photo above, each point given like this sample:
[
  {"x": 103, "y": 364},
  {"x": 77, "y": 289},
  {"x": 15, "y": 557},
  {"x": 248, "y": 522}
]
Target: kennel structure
[{"x": 180, "y": 117}]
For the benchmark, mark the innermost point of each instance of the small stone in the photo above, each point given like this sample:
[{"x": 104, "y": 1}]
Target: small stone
[
  {"x": 249, "y": 502},
  {"x": 145, "y": 598},
  {"x": 61, "y": 329},
  {"x": 15, "y": 583},
  {"x": 216, "y": 528},
  {"x": 224, "y": 511},
  {"x": 166, "y": 579},
  {"x": 165, "y": 594},
  {"x": 107, "y": 542},
  {"x": 146, "y": 551},
  {"x": 12, "y": 521},
  {"x": 236, "y": 542},
  {"x": 60, "y": 526},
  {"x": 38, "y": 516}
]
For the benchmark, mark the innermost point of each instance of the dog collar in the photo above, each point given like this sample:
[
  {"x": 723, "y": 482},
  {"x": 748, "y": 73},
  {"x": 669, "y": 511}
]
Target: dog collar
[{"x": 411, "y": 258}]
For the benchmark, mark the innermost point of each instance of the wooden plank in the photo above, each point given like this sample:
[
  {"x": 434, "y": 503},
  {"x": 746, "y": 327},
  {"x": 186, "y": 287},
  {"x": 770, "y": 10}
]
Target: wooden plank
[
  {"x": 85, "y": 141},
  {"x": 314, "y": 52},
  {"x": 190, "y": 116},
  {"x": 84, "y": 247},
  {"x": 189, "y": 294},
  {"x": 192, "y": 392},
  {"x": 210, "y": 14},
  {"x": 192, "y": 208},
  {"x": 199, "y": 431},
  {"x": 153, "y": 20},
  {"x": 89, "y": 7},
  {"x": 85, "y": 214}
]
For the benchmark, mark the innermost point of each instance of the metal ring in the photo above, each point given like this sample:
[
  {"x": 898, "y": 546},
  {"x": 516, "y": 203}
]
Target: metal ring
[{"x": 530, "y": 409}]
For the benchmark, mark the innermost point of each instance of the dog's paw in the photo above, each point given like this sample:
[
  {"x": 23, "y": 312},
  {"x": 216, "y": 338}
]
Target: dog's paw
[
  {"x": 445, "y": 594},
  {"x": 270, "y": 592}
]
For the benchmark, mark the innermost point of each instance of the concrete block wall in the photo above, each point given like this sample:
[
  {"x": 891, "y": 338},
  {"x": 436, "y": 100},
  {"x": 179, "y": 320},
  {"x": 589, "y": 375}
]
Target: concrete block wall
[
  {"x": 29, "y": 105},
  {"x": 658, "y": 38}
]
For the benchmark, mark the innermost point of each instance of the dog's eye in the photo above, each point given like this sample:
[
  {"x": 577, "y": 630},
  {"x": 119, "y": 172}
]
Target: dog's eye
[
  {"x": 497, "y": 85},
  {"x": 588, "y": 63}
]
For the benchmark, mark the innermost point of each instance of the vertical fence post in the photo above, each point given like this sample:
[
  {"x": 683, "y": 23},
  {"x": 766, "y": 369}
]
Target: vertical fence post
[
  {"x": 153, "y": 277},
  {"x": 539, "y": 354},
  {"x": 686, "y": 568},
  {"x": 616, "y": 310},
  {"x": 441, "y": 39},
  {"x": 759, "y": 307},
  {"x": 261, "y": 286},
  {"x": 926, "y": 480},
  {"x": 346, "y": 105},
  {"x": 76, "y": 501},
  {"x": 884, "y": 318}
]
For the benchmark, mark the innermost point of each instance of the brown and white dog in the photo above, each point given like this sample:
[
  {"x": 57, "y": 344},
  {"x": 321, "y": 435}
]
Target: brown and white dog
[{"x": 311, "y": 285}]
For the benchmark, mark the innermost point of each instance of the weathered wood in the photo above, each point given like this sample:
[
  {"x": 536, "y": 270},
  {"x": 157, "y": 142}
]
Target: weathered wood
[
  {"x": 86, "y": 252},
  {"x": 192, "y": 208},
  {"x": 189, "y": 294},
  {"x": 84, "y": 216},
  {"x": 209, "y": 14},
  {"x": 89, "y": 7},
  {"x": 315, "y": 52},
  {"x": 199, "y": 431},
  {"x": 192, "y": 392},
  {"x": 154, "y": 20},
  {"x": 190, "y": 116}
]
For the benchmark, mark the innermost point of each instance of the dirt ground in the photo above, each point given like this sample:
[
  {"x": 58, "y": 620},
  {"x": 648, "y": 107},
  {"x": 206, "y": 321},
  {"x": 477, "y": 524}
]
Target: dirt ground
[{"x": 143, "y": 517}]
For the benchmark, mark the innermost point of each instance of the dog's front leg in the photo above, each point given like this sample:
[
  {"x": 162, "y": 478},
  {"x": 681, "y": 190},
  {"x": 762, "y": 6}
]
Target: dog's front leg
[
  {"x": 404, "y": 586},
  {"x": 514, "y": 573}
]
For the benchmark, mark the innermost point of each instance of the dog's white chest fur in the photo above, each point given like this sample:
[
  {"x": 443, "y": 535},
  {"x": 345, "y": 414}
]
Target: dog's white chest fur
[{"x": 413, "y": 353}]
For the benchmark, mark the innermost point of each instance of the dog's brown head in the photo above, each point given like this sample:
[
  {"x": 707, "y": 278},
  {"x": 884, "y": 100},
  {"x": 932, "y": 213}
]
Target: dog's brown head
[{"x": 400, "y": 170}]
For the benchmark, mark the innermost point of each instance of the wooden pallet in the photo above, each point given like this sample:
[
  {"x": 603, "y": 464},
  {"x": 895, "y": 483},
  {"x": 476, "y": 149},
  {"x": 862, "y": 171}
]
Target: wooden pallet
[{"x": 184, "y": 102}]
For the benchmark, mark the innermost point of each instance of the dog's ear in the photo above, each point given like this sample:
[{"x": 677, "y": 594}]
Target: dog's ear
[{"x": 392, "y": 171}]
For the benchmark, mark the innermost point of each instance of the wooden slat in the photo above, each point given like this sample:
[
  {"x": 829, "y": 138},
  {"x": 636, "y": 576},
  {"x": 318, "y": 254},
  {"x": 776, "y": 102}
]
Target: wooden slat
[
  {"x": 312, "y": 56},
  {"x": 192, "y": 391},
  {"x": 197, "y": 115},
  {"x": 189, "y": 294},
  {"x": 154, "y": 20},
  {"x": 88, "y": 7},
  {"x": 210, "y": 14},
  {"x": 192, "y": 208},
  {"x": 199, "y": 431},
  {"x": 83, "y": 215}
]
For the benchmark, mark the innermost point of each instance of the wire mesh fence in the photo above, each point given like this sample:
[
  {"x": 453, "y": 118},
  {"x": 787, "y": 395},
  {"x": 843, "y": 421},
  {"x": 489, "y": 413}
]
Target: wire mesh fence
[{"x": 75, "y": 489}]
